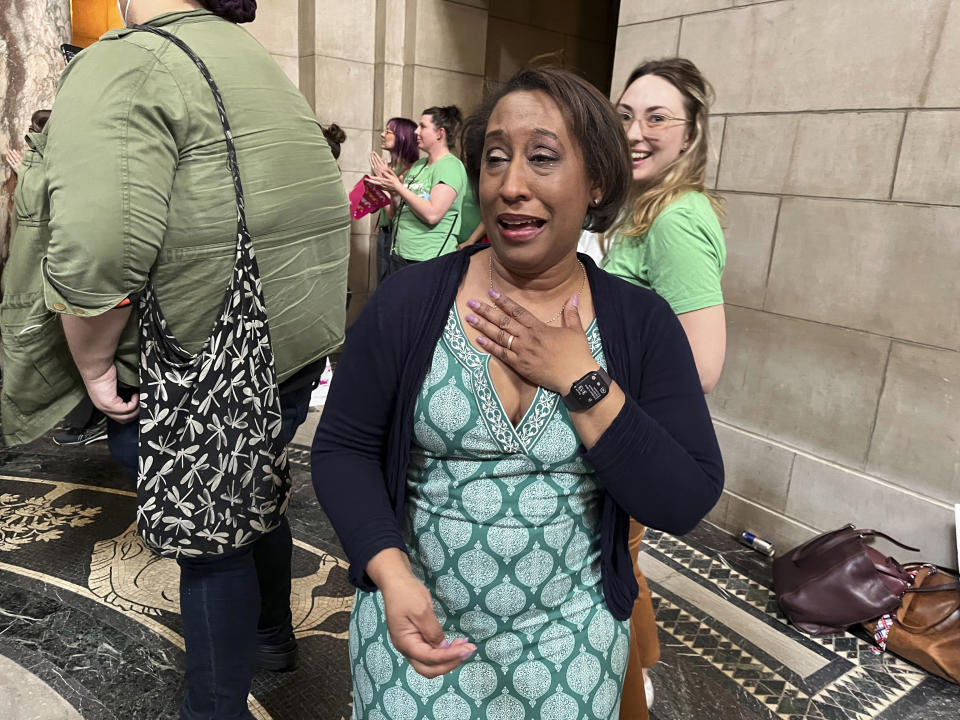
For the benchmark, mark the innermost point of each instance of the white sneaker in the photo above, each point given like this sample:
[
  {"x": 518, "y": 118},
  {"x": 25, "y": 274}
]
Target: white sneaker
[{"x": 648, "y": 687}]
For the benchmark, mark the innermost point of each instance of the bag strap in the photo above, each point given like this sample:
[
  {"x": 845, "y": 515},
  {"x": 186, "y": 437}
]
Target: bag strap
[
  {"x": 401, "y": 206},
  {"x": 936, "y": 588},
  {"x": 877, "y": 533},
  {"x": 232, "y": 163},
  {"x": 449, "y": 233},
  {"x": 931, "y": 569},
  {"x": 827, "y": 542},
  {"x": 923, "y": 573},
  {"x": 822, "y": 543}
]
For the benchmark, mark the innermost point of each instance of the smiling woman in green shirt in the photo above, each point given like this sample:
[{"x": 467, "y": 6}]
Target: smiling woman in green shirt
[
  {"x": 135, "y": 185},
  {"x": 427, "y": 201},
  {"x": 670, "y": 241}
]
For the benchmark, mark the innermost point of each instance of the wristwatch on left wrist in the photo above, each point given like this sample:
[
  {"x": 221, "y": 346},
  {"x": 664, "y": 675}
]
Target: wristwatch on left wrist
[{"x": 588, "y": 390}]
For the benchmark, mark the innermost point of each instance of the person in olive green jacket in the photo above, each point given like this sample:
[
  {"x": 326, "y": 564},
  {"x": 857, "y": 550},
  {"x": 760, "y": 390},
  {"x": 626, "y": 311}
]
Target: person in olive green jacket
[{"x": 136, "y": 186}]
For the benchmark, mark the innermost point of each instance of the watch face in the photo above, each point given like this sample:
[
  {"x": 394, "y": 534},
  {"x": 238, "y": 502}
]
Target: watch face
[{"x": 589, "y": 390}]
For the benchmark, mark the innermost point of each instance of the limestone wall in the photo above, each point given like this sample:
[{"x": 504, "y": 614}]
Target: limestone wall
[
  {"x": 361, "y": 62},
  {"x": 837, "y": 128},
  {"x": 580, "y": 33}
]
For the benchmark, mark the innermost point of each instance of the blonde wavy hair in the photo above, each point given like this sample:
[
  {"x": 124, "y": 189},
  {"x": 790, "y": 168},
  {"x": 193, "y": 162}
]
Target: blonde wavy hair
[{"x": 689, "y": 170}]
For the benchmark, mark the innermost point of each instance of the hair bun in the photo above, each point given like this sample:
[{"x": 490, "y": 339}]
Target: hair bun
[
  {"x": 238, "y": 11},
  {"x": 334, "y": 132},
  {"x": 454, "y": 113}
]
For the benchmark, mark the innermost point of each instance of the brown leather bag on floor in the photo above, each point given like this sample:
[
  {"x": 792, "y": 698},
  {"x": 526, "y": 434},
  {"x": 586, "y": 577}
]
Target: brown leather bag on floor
[
  {"x": 926, "y": 629},
  {"x": 835, "y": 580}
]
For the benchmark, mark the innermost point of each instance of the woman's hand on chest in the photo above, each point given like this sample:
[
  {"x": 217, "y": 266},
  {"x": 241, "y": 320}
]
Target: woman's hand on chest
[{"x": 526, "y": 352}]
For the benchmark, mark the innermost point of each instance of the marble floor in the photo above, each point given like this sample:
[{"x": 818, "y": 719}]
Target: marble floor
[{"x": 89, "y": 623}]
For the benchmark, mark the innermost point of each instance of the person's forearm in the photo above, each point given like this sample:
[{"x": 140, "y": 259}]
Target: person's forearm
[
  {"x": 654, "y": 478},
  {"x": 421, "y": 207},
  {"x": 594, "y": 422},
  {"x": 93, "y": 340},
  {"x": 706, "y": 332}
]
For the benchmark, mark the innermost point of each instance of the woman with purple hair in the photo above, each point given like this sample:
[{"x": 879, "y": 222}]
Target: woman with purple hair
[{"x": 399, "y": 138}]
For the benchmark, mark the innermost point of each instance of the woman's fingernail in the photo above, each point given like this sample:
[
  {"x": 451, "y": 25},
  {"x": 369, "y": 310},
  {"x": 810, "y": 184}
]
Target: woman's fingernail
[
  {"x": 475, "y": 304},
  {"x": 467, "y": 653},
  {"x": 446, "y": 644},
  {"x": 471, "y": 318},
  {"x": 576, "y": 300},
  {"x": 493, "y": 293},
  {"x": 482, "y": 341}
]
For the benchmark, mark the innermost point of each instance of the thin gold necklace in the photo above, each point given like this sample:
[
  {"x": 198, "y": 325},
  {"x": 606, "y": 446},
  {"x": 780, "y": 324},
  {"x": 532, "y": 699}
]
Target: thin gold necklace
[{"x": 563, "y": 307}]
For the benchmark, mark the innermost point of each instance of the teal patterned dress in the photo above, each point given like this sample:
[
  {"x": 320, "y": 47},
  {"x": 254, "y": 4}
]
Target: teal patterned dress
[{"x": 503, "y": 528}]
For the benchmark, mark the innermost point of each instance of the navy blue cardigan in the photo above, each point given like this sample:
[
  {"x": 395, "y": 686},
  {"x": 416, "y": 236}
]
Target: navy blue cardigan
[{"x": 658, "y": 461}]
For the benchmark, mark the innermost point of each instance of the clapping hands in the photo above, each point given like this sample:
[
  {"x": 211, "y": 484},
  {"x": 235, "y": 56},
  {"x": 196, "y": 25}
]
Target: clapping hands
[{"x": 383, "y": 176}]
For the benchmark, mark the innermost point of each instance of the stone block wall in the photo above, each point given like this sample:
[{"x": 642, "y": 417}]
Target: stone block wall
[
  {"x": 837, "y": 148},
  {"x": 579, "y": 32},
  {"x": 361, "y": 62}
]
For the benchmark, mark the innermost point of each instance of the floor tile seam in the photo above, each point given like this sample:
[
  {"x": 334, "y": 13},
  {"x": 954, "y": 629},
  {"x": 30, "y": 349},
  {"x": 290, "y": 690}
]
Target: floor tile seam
[
  {"x": 41, "y": 665},
  {"x": 836, "y": 665},
  {"x": 889, "y": 697},
  {"x": 747, "y": 606},
  {"x": 652, "y": 541},
  {"x": 702, "y": 652}
]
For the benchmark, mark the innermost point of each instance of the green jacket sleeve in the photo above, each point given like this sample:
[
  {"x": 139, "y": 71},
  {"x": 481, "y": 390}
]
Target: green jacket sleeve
[
  {"x": 109, "y": 192},
  {"x": 685, "y": 264}
]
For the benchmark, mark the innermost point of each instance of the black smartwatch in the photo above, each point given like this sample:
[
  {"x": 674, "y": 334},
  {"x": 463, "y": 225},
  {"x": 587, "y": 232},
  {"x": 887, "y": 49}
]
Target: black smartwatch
[{"x": 588, "y": 390}]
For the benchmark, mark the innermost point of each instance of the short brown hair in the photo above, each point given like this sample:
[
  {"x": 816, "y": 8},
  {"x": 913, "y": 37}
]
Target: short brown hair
[
  {"x": 38, "y": 120},
  {"x": 590, "y": 119}
]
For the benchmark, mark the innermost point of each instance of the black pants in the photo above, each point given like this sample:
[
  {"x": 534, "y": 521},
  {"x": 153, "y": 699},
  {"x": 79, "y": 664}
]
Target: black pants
[
  {"x": 228, "y": 605},
  {"x": 384, "y": 246},
  {"x": 395, "y": 263}
]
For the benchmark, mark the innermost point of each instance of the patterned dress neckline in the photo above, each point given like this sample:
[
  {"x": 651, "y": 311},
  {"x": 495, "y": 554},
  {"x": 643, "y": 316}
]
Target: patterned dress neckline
[{"x": 545, "y": 402}]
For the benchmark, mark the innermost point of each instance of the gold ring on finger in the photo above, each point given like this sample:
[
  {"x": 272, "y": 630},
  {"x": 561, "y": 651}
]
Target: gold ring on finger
[{"x": 510, "y": 342}]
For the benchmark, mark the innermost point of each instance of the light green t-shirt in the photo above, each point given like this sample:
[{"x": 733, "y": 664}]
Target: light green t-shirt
[
  {"x": 415, "y": 239},
  {"x": 469, "y": 215},
  {"x": 383, "y": 220},
  {"x": 681, "y": 257}
]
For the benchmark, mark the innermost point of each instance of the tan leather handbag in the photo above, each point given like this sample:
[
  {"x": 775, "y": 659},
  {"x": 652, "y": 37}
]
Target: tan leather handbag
[{"x": 926, "y": 628}]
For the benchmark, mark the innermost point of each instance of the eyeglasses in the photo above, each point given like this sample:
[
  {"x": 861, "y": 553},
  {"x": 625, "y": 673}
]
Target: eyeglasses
[{"x": 652, "y": 124}]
